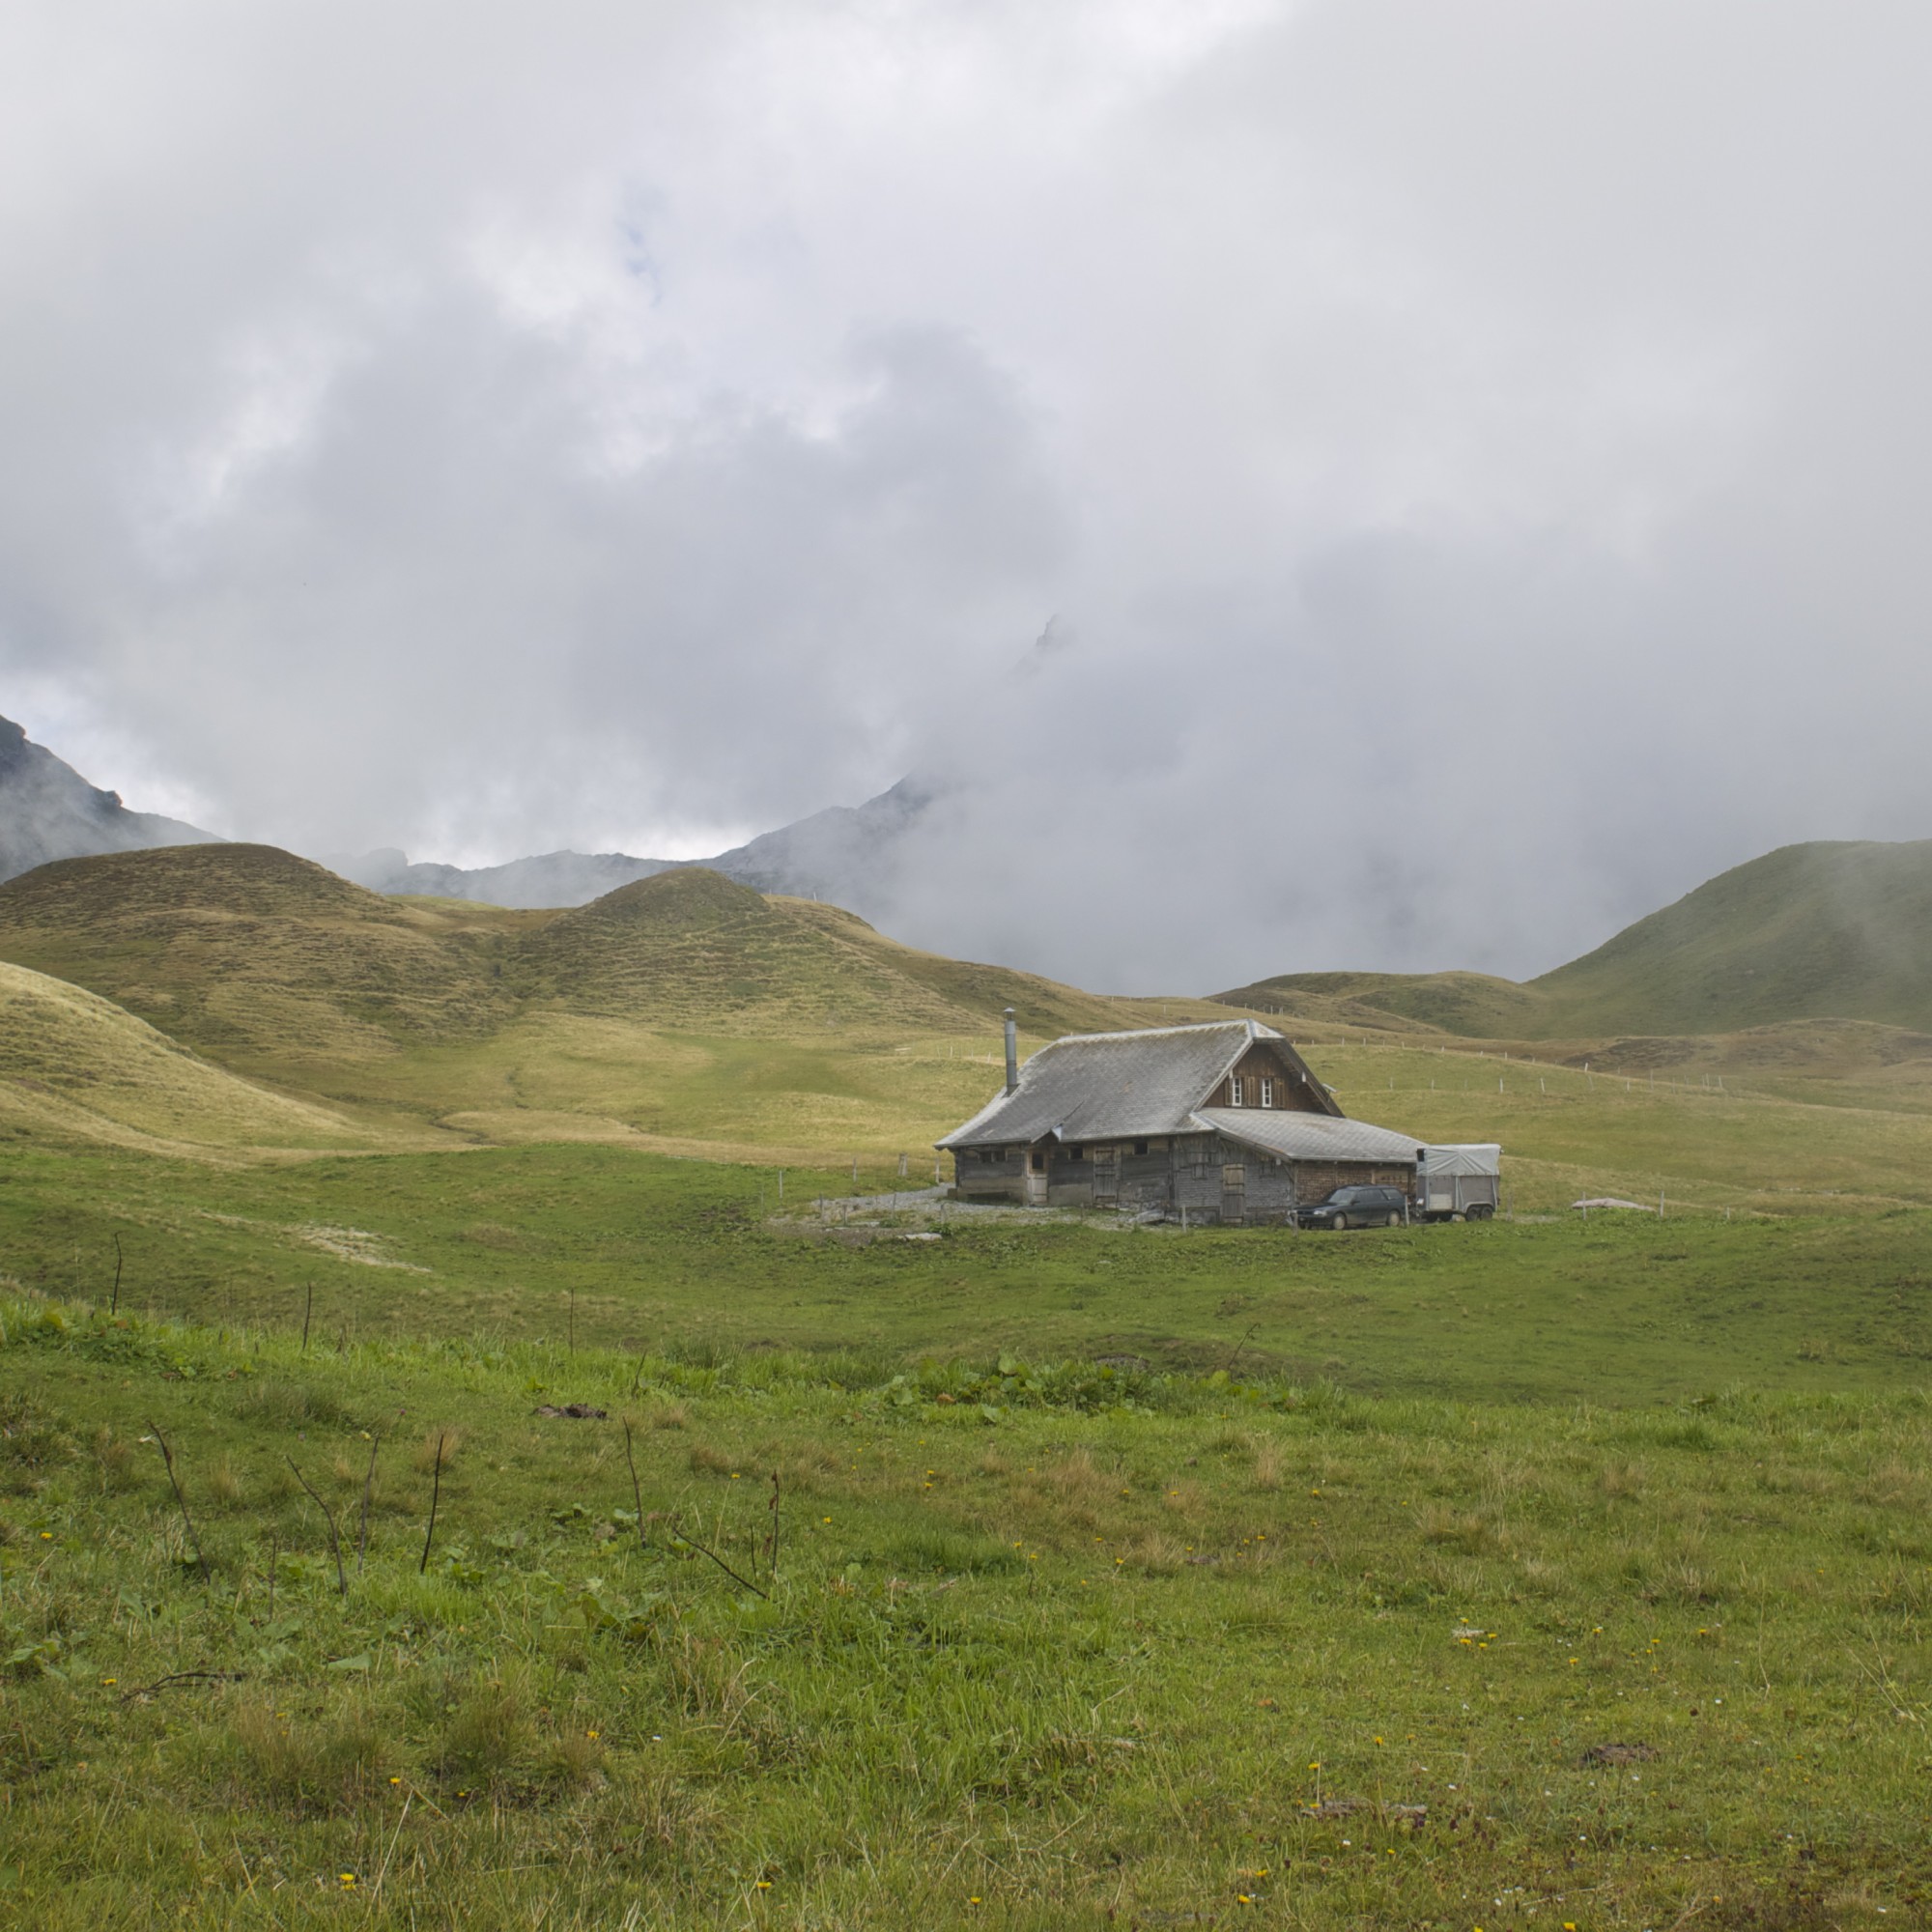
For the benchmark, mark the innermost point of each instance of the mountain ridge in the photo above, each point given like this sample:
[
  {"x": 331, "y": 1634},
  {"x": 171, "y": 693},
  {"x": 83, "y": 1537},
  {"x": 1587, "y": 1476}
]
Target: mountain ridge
[
  {"x": 48, "y": 812},
  {"x": 841, "y": 854}
]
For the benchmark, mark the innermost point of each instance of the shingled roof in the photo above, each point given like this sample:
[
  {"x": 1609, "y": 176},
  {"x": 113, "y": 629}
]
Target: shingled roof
[{"x": 1113, "y": 1086}]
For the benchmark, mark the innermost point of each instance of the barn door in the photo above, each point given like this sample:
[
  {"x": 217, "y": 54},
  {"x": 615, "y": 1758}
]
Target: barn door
[
  {"x": 1234, "y": 1192},
  {"x": 1106, "y": 1176},
  {"x": 1036, "y": 1176}
]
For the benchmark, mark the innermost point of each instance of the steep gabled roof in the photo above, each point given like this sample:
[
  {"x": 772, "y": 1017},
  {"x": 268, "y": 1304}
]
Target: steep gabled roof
[{"x": 1111, "y": 1085}]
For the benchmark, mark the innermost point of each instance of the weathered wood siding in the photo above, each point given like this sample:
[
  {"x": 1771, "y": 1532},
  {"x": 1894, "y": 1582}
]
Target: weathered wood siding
[
  {"x": 990, "y": 1174},
  {"x": 1320, "y": 1179},
  {"x": 1216, "y": 1179},
  {"x": 1290, "y": 1092}
]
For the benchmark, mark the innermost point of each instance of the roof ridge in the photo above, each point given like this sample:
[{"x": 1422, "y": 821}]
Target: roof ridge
[{"x": 1256, "y": 1030}]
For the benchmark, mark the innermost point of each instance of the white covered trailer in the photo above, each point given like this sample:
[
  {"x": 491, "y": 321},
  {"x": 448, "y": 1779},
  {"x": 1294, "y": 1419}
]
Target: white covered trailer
[{"x": 1457, "y": 1183}]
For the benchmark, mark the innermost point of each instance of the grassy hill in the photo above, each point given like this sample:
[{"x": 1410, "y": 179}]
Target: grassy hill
[
  {"x": 1476, "y": 1005},
  {"x": 1837, "y": 931},
  {"x": 75, "y": 1068},
  {"x": 256, "y": 956},
  {"x": 683, "y": 1012},
  {"x": 691, "y": 950}
]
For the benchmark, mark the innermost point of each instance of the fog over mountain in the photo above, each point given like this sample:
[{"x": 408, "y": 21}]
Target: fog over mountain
[
  {"x": 853, "y": 855},
  {"x": 1472, "y": 453},
  {"x": 47, "y": 810}
]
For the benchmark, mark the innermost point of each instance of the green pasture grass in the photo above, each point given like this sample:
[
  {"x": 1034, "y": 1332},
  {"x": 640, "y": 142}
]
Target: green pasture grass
[
  {"x": 1571, "y": 1133},
  {"x": 1044, "y": 1645},
  {"x": 640, "y": 1252}
]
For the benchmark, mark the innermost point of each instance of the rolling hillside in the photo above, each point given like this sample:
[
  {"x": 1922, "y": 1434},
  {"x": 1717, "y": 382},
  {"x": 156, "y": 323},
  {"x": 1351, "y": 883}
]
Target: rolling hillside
[
  {"x": 75, "y": 1067},
  {"x": 685, "y": 1008},
  {"x": 247, "y": 951},
  {"x": 1475, "y": 1005},
  {"x": 1821, "y": 931},
  {"x": 256, "y": 956},
  {"x": 1809, "y": 932},
  {"x": 691, "y": 950}
]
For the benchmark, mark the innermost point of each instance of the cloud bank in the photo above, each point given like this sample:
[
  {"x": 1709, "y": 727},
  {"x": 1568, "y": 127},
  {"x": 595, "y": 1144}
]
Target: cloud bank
[{"x": 1472, "y": 451}]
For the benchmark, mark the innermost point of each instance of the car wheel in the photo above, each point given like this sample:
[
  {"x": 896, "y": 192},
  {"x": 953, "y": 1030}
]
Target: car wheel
[
  {"x": 1395, "y": 1220},
  {"x": 1340, "y": 1222}
]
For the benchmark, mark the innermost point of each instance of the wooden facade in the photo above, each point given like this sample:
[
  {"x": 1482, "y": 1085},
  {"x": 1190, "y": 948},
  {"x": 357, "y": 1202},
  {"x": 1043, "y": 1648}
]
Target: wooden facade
[
  {"x": 1107, "y": 1123},
  {"x": 1264, "y": 1079},
  {"x": 1213, "y": 1179}
]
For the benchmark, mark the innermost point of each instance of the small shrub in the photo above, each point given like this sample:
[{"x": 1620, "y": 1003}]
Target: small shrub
[{"x": 224, "y": 1481}]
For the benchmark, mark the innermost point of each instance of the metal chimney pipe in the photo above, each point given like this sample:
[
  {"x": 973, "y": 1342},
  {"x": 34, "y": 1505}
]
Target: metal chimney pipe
[{"x": 1013, "y": 1053}]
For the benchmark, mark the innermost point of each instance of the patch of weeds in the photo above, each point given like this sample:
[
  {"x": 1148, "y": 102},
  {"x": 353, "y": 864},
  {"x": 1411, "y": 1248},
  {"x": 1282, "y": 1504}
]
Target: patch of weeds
[
  {"x": 486, "y": 1732},
  {"x": 291, "y": 1405},
  {"x": 953, "y": 1552},
  {"x": 34, "y": 1442},
  {"x": 311, "y": 1766}
]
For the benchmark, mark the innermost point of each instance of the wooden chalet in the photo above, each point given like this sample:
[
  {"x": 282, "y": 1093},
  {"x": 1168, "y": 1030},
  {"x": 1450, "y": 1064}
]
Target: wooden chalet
[{"x": 1224, "y": 1120}]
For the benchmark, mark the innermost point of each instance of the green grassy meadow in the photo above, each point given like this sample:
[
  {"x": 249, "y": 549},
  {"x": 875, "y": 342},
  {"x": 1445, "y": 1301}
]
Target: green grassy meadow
[
  {"x": 1506, "y": 1575},
  {"x": 1040, "y": 1647},
  {"x": 1550, "y": 1571}
]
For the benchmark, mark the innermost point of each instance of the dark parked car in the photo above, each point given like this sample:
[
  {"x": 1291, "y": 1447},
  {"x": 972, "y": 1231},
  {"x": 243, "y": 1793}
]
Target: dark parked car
[{"x": 1358, "y": 1208}]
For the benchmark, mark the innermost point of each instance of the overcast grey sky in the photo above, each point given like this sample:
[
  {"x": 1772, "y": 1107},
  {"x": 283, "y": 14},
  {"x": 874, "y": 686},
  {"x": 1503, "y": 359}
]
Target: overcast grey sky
[{"x": 1474, "y": 450}]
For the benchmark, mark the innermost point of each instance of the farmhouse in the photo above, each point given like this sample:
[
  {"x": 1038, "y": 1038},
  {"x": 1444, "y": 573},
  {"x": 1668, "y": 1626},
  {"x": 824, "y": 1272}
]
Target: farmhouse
[{"x": 1224, "y": 1120}]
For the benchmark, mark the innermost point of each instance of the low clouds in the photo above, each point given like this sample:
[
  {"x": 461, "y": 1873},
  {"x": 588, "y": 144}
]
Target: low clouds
[{"x": 1474, "y": 452}]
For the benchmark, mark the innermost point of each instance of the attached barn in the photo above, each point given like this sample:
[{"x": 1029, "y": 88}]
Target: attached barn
[{"x": 1225, "y": 1121}]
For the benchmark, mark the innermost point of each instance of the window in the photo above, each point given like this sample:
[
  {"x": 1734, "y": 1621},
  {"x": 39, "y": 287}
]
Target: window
[
  {"x": 1076, "y": 1153},
  {"x": 1039, "y": 1160},
  {"x": 1234, "y": 1090},
  {"x": 1140, "y": 1146},
  {"x": 1267, "y": 1091}
]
